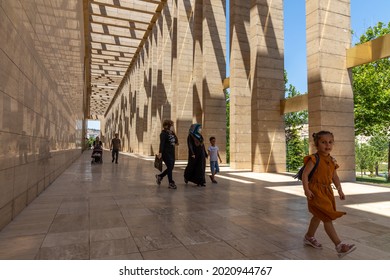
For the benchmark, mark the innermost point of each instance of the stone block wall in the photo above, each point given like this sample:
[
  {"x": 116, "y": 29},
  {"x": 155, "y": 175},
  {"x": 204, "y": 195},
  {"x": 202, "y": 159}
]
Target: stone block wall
[
  {"x": 178, "y": 75},
  {"x": 41, "y": 92}
]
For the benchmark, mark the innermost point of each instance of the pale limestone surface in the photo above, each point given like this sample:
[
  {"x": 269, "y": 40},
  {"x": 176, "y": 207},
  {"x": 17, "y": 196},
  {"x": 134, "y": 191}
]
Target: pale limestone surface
[
  {"x": 330, "y": 94},
  {"x": 41, "y": 97},
  {"x": 117, "y": 211}
]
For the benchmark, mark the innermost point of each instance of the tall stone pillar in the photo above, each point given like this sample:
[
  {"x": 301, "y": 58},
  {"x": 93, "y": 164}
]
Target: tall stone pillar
[
  {"x": 183, "y": 95},
  {"x": 240, "y": 92},
  {"x": 198, "y": 63},
  {"x": 329, "y": 82},
  {"x": 165, "y": 76},
  {"x": 155, "y": 119},
  {"x": 267, "y": 85},
  {"x": 214, "y": 71}
]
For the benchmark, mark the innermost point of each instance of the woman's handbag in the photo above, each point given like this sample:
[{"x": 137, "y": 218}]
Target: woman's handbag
[{"x": 158, "y": 163}]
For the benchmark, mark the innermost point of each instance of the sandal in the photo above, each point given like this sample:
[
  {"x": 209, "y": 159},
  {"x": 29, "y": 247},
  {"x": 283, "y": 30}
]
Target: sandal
[
  {"x": 344, "y": 249},
  {"x": 312, "y": 241}
]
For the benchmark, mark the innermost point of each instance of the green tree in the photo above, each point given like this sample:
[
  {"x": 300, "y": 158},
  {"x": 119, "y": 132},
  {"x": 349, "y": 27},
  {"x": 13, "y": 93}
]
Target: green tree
[
  {"x": 295, "y": 151},
  {"x": 379, "y": 145},
  {"x": 227, "y": 99},
  {"x": 296, "y": 147},
  {"x": 371, "y": 86},
  {"x": 365, "y": 158}
]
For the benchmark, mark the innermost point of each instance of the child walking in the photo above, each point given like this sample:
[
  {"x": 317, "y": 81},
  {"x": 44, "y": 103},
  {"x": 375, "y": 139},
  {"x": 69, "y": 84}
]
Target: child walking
[
  {"x": 213, "y": 152},
  {"x": 319, "y": 193}
]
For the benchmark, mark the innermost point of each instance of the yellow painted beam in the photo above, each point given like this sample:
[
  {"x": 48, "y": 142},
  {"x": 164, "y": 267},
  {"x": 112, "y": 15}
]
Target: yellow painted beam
[
  {"x": 294, "y": 104},
  {"x": 368, "y": 52},
  {"x": 226, "y": 83}
]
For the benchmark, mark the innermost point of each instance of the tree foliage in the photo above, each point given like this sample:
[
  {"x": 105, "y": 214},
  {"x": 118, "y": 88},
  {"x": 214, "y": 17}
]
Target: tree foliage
[
  {"x": 227, "y": 99},
  {"x": 297, "y": 148},
  {"x": 365, "y": 158},
  {"x": 371, "y": 85},
  {"x": 295, "y": 119}
]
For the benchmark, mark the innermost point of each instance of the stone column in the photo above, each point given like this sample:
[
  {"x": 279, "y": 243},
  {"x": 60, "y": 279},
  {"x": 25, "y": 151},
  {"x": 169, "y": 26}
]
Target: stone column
[
  {"x": 165, "y": 75},
  {"x": 156, "y": 65},
  {"x": 214, "y": 71},
  {"x": 198, "y": 63},
  {"x": 240, "y": 92},
  {"x": 267, "y": 85},
  {"x": 183, "y": 62},
  {"x": 329, "y": 82}
]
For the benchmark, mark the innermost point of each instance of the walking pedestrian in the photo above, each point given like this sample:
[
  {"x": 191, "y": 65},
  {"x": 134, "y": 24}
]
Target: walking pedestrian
[
  {"x": 115, "y": 147},
  {"x": 168, "y": 141},
  {"x": 319, "y": 193}
]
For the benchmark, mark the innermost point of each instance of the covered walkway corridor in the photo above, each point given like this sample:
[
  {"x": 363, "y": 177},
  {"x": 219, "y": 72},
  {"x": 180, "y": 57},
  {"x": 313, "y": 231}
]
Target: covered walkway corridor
[
  {"x": 116, "y": 211},
  {"x": 133, "y": 63}
]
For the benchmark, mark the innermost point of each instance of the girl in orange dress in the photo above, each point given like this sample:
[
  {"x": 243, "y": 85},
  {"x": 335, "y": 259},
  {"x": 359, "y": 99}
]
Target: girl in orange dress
[{"x": 319, "y": 193}]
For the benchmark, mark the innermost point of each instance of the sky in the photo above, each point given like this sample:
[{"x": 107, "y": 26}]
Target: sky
[
  {"x": 94, "y": 124},
  {"x": 364, "y": 13}
]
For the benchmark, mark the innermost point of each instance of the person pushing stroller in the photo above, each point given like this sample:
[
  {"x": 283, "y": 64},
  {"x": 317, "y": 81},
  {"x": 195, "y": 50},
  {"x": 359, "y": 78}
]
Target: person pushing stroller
[{"x": 97, "y": 152}]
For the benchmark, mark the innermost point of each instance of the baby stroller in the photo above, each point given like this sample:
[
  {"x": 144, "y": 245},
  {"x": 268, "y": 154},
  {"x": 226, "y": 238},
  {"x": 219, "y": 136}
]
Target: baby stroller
[{"x": 97, "y": 154}]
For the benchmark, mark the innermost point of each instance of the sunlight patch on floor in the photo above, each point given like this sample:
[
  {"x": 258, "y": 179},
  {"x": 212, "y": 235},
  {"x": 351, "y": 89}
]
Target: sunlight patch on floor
[
  {"x": 268, "y": 177},
  {"x": 234, "y": 179},
  {"x": 294, "y": 190},
  {"x": 357, "y": 188},
  {"x": 348, "y": 188},
  {"x": 380, "y": 208}
]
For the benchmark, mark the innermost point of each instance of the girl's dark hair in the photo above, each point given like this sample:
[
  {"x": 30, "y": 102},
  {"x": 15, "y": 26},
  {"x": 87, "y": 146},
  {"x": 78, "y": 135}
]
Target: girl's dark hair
[
  {"x": 167, "y": 123},
  {"x": 317, "y": 136}
]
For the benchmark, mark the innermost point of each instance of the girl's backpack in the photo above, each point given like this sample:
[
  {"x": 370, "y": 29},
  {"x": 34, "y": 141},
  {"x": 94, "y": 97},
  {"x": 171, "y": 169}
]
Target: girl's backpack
[{"x": 300, "y": 172}]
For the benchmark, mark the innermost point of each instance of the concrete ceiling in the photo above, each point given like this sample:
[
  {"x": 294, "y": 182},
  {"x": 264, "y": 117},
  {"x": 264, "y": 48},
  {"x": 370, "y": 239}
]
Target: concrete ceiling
[{"x": 115, "y": 32}]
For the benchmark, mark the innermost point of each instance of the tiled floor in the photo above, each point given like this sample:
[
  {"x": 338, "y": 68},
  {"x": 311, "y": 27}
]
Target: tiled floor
[{"x": 116, "y": 211}]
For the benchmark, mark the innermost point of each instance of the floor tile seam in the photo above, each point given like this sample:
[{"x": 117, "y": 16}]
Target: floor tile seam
[
  {"x": 279, "y": 251},
  {"x": 178, "y": 240},
  {"x": 49, "y": 227},
  {"x": 219, "y": 241},
  {"x": 127, "y": 227},
  {"x": 58, "y": 245},
  {"x": 15, "y": 236}
]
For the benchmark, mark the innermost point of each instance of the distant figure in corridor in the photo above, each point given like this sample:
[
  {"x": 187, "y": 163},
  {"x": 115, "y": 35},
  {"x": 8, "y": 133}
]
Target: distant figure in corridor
[
  {"x": 115, "y": 147},
  {"x": 168, "y": 141},
  {"x": 97, "y": 142},
  {"x": 319, "y": 193},
  {"x": 97, "y": 152},
  {"x": 196, "y": 166}
]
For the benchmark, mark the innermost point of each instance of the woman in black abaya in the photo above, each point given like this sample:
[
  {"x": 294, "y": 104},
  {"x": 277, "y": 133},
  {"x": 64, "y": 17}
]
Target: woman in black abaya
[{"x": 196, "y": 166}]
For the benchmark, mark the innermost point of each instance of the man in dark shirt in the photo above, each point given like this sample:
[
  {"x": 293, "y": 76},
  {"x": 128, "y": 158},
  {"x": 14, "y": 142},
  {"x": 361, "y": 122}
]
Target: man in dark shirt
[{"x": 115, "y": 147}]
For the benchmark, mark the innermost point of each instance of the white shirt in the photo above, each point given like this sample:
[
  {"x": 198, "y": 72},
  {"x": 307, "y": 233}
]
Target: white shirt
[{"x": 213, "y": 153}]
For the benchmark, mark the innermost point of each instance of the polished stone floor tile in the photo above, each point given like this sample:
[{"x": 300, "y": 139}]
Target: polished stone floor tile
[
  {"x": 131, "y": 256},
  {"x": 65, "y": 238},
  {"x": 117, "y": 212},
  {"x": 69, "y": 222},
  {"x": 65, "y": 252},
  {"x": 156, "y": 240},
  {"x": 114, "y": 247},
  {"x": 250, "y": 247},
  {"x": 109, "y": 234},
  {"x": 215, "y": 251},
  {"x": 26, "y": 229},
  {"x": 178, "y": 253},
  {"x": 21, "y": 247}
]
